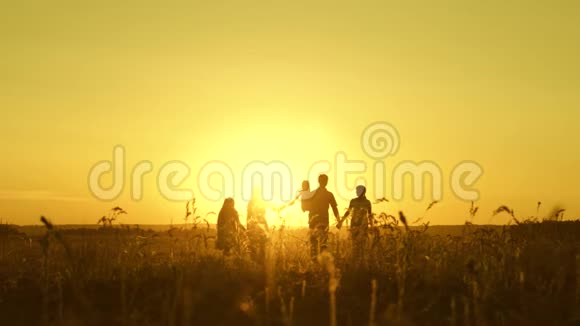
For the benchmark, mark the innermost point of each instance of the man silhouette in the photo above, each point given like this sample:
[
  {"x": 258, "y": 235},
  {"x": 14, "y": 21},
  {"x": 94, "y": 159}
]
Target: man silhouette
[{"x": 318, "y": 219}]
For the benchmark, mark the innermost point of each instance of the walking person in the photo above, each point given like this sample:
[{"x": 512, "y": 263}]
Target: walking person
[
  {"x": 228, "y": 226},
  {"x": 318, "y": 218},
  {"x": 360, "y": 212}
]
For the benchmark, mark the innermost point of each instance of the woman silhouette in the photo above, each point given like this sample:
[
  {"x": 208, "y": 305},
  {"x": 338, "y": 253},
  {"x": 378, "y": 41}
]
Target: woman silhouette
[{"x": 228, "y": 224}]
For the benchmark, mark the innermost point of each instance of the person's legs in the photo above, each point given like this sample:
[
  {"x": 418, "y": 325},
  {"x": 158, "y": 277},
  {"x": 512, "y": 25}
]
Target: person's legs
[
  {"x": 318, "y": 240},
  {"x": 261, "y": 249},
  {"x": 254, "y": 247},
  {"x": 313, "y": 234},
  {"x": 354, "y": 243},
  {"x": 323, "y": 237},
  {"x": 359, "y": 243}
]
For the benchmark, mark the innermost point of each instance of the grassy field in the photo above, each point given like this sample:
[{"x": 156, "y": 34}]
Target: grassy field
[{"x": 524, "y": 274}]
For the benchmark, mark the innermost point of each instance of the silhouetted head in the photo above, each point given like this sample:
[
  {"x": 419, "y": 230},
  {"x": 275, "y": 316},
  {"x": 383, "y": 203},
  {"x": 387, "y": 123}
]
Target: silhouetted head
[
  {"x": 305, "y": 185},
  {"x": 228, "y": 203},
  {"x": 361, "y": 191},
  {"x": 323, "y": 180}
]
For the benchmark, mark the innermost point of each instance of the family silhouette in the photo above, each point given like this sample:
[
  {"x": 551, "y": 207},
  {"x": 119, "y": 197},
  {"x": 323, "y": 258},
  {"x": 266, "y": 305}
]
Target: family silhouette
[{"x": 316, "y": 202}]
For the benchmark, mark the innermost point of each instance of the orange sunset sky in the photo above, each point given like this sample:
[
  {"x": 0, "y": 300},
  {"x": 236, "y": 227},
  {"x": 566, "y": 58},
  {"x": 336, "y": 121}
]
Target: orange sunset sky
[{"x": 494, "y": 82}]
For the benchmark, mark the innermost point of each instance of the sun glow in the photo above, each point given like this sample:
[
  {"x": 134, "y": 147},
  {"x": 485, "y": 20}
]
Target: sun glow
[{"x": 289, "y": 216}]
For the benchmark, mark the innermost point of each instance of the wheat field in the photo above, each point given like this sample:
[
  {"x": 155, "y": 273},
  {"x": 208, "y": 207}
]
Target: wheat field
[{"x": 526, "y": 273}]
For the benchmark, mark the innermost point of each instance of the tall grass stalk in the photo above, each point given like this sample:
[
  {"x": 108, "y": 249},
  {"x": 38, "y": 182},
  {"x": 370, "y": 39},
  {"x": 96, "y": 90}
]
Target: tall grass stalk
[{"x": 373, "y": 309}]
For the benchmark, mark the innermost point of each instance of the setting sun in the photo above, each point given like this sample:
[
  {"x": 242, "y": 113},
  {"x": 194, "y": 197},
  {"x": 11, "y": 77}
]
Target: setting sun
[{"x": 290, "y": 162}]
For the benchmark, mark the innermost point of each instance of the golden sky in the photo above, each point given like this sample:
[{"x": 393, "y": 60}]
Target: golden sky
[{"x": 495, "y": 82}]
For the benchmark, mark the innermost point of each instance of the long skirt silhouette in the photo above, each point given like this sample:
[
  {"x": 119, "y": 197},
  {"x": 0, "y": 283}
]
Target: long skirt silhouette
[{"x": 228, "y": 226}]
